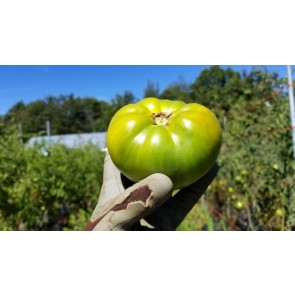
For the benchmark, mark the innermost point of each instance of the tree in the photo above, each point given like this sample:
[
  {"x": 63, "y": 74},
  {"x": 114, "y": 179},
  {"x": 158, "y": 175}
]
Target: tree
[
  {"x": 66, "y": 113},
  {"x": 151, "y": 90},
  {"x": 121, "y": 100},
  {"x": 177, "y": 91},
  {"x": 218, "y": 88},
  {"x": 105, "y": 115}
]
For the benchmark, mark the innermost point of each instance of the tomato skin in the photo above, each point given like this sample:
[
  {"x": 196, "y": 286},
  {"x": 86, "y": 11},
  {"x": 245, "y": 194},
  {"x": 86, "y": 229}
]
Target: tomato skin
[{"x": 185, "y": 149}]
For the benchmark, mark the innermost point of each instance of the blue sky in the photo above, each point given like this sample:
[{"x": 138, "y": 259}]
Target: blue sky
[{"x": 28, "y": 83}]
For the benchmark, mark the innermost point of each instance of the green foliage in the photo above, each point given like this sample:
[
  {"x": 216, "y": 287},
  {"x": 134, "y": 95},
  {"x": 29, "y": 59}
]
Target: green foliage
[
  {"x": 151, "y": 90},
  {"x": 199, "y": 218},
  {"x": 179, "y": 90},
  {"x": 255, "y": 186},
  {"x": 67, "y": 114},
  {"x": 42, "y": 189},
  {"x": 222, "y": 89},
  {"x": 121, "y": 100},
  {"x": 217, "y": 88}
]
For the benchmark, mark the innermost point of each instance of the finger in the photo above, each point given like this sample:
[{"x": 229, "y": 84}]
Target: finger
[
  {"x": 112, "y": 185},
  {"x": 134, "y": 203},
  {"x": 172, "y": 213}
]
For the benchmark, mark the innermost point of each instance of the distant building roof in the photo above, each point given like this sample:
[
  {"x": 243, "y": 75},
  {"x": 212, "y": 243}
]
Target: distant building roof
[{"x": 71, "y": 140}]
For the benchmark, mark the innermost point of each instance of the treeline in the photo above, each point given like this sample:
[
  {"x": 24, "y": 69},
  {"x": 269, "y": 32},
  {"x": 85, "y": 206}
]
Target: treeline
[
  {"x": 217, "y": 88},
  {"x": 67, "y": 114}
]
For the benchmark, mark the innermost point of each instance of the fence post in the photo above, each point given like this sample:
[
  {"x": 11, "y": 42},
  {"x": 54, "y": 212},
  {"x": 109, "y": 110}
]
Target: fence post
[
  {"x": 292, "y": 107},
  {"x": 48, "y": 130}
]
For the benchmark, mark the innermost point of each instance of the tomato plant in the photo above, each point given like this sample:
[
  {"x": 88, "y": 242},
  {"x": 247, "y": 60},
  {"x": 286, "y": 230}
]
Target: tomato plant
[
  {"x": 56, "y": 191},
  {"x": 162, "y": 136}
]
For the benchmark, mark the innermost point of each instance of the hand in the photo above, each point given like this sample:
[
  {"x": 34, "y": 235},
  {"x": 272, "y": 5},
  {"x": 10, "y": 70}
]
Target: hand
[{"x": 145, "y": 205}]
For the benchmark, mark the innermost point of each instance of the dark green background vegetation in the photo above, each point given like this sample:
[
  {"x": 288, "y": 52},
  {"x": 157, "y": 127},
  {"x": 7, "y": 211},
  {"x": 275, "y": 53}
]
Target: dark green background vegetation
[{"x": 254, "y": 190}]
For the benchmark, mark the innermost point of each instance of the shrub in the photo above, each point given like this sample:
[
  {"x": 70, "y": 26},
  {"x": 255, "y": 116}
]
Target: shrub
[{"x": 43, "y": 188}]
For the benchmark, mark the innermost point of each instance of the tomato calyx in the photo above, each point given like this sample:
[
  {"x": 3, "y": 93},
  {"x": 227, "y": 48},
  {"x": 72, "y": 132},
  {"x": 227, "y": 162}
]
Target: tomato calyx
[{"x": 161, "y": 118}]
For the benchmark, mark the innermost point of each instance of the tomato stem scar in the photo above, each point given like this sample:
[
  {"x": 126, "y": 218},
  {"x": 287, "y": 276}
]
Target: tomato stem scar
[{"x": 161, "y": 118}]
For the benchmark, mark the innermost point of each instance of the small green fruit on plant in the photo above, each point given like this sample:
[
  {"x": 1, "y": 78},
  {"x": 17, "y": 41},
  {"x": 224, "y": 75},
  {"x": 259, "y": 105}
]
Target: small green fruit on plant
[
  {"x": 279, "y": 212},
  {"x": 239, "y": 205},
  {"x": 162, "y": 136},
  {"x": 231, "y": 190},
  {"x": 244, "y": 172},
  {"x": 276, "y": 167},
  {"x": 238, "y": 179}
]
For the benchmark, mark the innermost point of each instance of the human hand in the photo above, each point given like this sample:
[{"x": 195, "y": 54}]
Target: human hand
[{"x": 145, "y": 205}]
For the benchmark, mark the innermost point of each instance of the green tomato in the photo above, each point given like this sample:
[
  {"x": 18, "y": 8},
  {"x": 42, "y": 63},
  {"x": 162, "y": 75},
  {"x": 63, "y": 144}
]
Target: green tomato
[
  {"x": 231, "y": 189},
  {"x": 233, "y": 197},
  {"x": 238, "y": 179},
  {"x": 239, "y": 205},
  {"x": 279, "y": 212},
  {"x": 276, "y": 167},
  {"x": 244, "y": 172},
  {"x": 162, "y": 136}
]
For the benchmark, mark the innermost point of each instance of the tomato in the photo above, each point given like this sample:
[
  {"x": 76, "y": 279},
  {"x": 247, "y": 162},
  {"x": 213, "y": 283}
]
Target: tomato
[
  {"x": 171, "y": 137},
  {"x": 231, "y": 189},
  {"x": 276, "y": 167},
  {"x": 239, "y": 205},
  {"x": 244, "y": 172},
  {"x": 279, "y": 212}
]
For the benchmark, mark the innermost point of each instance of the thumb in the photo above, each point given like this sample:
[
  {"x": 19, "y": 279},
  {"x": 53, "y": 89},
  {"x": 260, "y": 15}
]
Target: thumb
[
  {"x": 112, "y": 184},
  {"x": 133, "y": 204}
]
